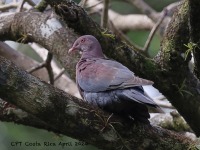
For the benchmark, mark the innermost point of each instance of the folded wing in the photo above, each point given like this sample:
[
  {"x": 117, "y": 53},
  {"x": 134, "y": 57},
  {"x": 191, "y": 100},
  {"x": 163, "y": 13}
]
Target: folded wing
[{"x": 99, "y": 75}]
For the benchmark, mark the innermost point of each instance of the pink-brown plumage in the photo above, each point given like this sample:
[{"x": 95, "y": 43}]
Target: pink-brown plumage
[{"x": 108, "y": 84}]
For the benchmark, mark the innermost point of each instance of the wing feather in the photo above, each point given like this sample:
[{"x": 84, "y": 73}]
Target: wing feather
[{"x": 97, "y": 75}]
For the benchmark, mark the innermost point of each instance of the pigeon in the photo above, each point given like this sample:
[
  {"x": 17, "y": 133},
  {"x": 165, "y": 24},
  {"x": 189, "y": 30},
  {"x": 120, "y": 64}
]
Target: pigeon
[{"x": 108, "y": 84}]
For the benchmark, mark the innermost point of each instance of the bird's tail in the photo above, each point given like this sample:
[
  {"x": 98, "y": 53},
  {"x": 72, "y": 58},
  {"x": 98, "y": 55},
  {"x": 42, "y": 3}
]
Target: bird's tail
[
  {"x": 140, "y": 113},
  {"x": 137, "y": 96}
]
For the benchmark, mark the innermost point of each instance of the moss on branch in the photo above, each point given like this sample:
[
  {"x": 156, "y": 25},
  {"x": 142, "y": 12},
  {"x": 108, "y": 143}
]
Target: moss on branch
[
  {"x": 168, "y": 71},
  {"x": 75, "y": 118}
]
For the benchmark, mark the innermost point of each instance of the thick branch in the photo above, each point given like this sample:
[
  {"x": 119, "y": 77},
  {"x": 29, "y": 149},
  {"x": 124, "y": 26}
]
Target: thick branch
[
  {"x": 180, "y": 81},
  {"x": 26, "y": 63},
  {"x": 75, "y": 118},
  {"x": 176, "y": 79},
  {"x": 194, "y": 33},
  {"x": 8, "y": 6},
  {"x": 173, "y": 78},
  {"x": 21, "y": 60},
  {"x": 40, "y": 28},
  {"x": 16, "y": 115}
]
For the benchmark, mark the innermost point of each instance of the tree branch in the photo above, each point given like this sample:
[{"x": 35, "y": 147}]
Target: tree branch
[
  {"x": 146, "y": 9},
  {"x": 104, "y": 16},
  {"x": 141, "y": 22},
  {"x": 194, "y": 34},
  {"x": 180, "y": 81},
  {"x": 48, "y": 31},
  {"x": 17, "y": 5},
  {"x": 47, "y": 65},
  {"x": 120, "y": 34},
  {"x": 77, "y": 119},
  {"x": 25, "y": 62},
  {"x": 8, "y": 6},
  {"x": 151, "y": 13},
  {"x": 65, "y": 83},
  {"x": 20, "y": 6},
  {"x": 152, "y": 33},
  {"x": 84, "y": 25},
  {"x": 184, "y": 85},
  {"x": 21, "y": 60},
  {"x": 16, "y": 115},
  {"x": 176, "y": 79}
]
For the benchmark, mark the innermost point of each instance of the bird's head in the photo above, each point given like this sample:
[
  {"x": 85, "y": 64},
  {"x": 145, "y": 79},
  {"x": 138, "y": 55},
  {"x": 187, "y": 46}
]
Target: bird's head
[{"x": 88, "y": 45}]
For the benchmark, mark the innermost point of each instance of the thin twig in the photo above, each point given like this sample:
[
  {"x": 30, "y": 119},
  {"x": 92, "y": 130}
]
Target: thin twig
[
  {"x": 89, "y": 7},
  {"x": 104, "y": 16},
  {"x": 20, "y": 5},
  {"x": 39, "y": 66},
  {"x": 47, "y": 65},
  {"x": 82, "y": 3},
  {"x": 153, "y": 31},
  {"x": 15, "y": 4},
  {"x": 146, "y": 9},
  {"x": 60, "y": 74},
  {"x": 122, "y": 22},
  {"x": 106, "y": 122},
  {"x": 124, "y": 37},
  {"x": 49, "y": 68}
]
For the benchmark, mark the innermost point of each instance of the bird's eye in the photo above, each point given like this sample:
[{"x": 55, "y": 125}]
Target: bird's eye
[{"x": 83, "y": 40}]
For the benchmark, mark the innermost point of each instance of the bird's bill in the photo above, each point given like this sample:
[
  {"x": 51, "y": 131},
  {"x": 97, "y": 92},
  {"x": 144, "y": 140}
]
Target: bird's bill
[{"x": 71, "y": 50}]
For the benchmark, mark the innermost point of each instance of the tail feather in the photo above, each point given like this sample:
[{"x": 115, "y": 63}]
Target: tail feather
[
  {"x": 140, "y": 113},
  {"x": 139, "y": 97}
]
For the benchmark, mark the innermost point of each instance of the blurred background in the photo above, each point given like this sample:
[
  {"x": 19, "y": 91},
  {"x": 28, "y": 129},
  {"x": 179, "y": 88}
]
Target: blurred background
[{"x": 11, "y": 133}]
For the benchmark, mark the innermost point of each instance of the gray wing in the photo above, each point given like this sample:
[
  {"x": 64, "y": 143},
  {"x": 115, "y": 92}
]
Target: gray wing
[{"x": 97, "y": 75}]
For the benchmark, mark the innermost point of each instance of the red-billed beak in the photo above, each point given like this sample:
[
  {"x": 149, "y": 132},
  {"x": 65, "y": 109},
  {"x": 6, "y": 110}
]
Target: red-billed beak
[{"x": 71, "y": 50}]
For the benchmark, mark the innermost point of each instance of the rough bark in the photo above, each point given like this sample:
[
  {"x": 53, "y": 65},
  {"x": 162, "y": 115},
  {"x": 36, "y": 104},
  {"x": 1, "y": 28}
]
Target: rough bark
[
  {"x": 10, "y": 113},
  {"x": 194, "y": 23},
  {"x": 77, "y": 119},
  {"x": 26, "y": 63},
  {"x": 167, "y": 78},
  {"x": 21, "y": 60},
  {"x": 179, "y": 79},
  {"x": 172, "y": 77},
  {"x": 42, "y": 28}
]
